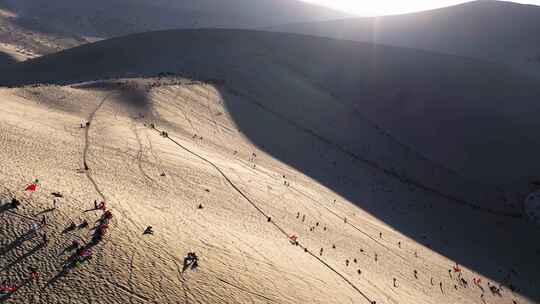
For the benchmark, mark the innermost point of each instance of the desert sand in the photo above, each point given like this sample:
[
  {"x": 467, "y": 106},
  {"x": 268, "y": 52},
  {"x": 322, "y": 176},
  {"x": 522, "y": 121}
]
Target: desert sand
[{"x": 364, "y": 232}]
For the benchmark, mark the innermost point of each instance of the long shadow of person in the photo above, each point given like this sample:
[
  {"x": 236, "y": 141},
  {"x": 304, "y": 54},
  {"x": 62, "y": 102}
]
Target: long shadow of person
[
  {"x": 16, "y": 243},
  {"x": 6, "y": 296},
  {"x": 24, "y": 256}
]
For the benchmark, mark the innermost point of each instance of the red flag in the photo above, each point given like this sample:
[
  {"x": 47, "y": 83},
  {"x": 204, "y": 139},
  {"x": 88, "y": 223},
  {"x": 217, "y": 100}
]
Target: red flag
[{"x": 31, "y": 187}]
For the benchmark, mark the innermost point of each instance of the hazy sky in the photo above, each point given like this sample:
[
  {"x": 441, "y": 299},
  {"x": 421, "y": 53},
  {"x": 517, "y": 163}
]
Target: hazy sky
[{"x": 386, "y": 7}]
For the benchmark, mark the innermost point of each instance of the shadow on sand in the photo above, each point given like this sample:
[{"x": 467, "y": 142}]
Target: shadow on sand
[{"x": 6, "y": 59}]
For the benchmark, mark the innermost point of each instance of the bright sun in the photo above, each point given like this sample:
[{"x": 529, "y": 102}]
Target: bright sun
[{"x": 387, "y": 7}]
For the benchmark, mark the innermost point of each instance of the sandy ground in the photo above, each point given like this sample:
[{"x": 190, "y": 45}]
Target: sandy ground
[
  {"x": 17, "y": 54},
  {"x": 244, "y": 257}
]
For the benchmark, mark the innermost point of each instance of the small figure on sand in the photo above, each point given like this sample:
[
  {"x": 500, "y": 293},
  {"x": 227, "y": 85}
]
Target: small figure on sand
[
  {"x": 83, "y": 224},
  {"x": 102, "y": 205},
  {"x": 494, "y": 290},
  {"x": 71, "y": 226},
  {"x": 34, "y": 274},
  {"x": 293, "y": 239},
  {"x": 148, "y": 230},
  {"x": 190, "y": 260}
]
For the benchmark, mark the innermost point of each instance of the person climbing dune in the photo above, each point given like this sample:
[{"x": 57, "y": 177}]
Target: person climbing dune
[
  {"x": 149, "y": 230},
  {"x": 83, "y": 224},
  {"x": 190, "y": 259},
  {"x": 34, "y": 274}
]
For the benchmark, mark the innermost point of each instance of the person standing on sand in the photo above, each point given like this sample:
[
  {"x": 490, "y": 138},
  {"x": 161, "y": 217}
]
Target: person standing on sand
[
  {"x": 34, "y": 274},
  {"x": 33, "y": 228}
]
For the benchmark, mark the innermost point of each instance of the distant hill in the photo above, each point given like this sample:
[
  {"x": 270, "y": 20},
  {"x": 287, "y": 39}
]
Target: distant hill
[
  {"x": 490, "y": 30},
  {"x": 475, "y": 117},
  {"x": 65, "y": 23}
]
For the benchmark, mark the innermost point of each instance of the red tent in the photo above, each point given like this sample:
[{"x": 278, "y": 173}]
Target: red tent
[{"x": 32, "y": 187}]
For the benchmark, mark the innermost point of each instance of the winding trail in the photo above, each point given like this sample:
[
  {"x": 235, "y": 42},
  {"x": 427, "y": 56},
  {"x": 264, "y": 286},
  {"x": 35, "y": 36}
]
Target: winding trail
[{"x": 87, "y": 145}]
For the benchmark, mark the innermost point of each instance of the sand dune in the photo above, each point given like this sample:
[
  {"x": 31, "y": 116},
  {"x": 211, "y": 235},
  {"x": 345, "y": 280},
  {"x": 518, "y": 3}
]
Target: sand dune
[
  {"x": 264, "y": 138},
  {"x": 499, "y": 31},
  {"x": 65, "y": 23},
  {"x": 243, "y": 257},
  {"x": 452, "y": 110}
]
